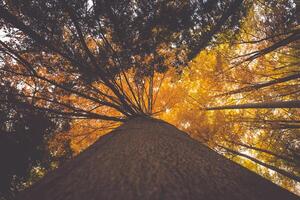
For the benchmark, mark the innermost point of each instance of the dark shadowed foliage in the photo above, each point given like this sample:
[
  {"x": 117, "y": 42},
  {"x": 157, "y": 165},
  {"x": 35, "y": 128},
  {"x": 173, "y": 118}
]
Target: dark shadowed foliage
[{"x": 23, "y": 143}]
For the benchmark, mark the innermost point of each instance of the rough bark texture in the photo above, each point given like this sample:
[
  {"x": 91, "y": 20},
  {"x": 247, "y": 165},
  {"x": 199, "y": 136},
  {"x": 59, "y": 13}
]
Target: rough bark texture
[{"x": 150, "y": 159}]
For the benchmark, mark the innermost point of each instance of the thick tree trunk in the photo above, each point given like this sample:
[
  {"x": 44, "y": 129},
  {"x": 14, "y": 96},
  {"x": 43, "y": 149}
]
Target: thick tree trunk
[{"x": 151, "y": 159}]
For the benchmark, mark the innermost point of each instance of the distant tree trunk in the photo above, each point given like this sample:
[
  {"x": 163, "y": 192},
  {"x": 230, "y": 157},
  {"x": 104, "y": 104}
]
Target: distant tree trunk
[
  {"x": 151, "y": 159},
  {"x": 276, "y": 155},
  {"x": 257, "y": 86},
  {"x": 262, "y": 105},
  {"x": 280, "y": 171}
]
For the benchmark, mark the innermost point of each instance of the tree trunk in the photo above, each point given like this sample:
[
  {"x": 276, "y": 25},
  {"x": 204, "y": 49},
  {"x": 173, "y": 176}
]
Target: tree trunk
[
  {"x": 151, "y": 159},
  {"x": 257, "y": 86},
  {"x": 262, "y": 105}
]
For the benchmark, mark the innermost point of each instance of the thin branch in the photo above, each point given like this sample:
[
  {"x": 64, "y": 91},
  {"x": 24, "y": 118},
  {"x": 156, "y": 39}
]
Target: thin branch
[
  {"x": 263, "y": 105},
  {"x": 280, "y": 171}
]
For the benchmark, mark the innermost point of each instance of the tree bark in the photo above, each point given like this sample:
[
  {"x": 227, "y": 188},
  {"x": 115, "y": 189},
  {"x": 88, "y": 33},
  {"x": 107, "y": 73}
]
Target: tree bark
[{"x": 151, "y": 159}]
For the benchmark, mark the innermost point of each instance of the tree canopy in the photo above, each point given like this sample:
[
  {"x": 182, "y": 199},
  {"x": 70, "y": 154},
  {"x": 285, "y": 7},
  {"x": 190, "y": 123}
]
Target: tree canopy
[{"x": 106, "y": 52}]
